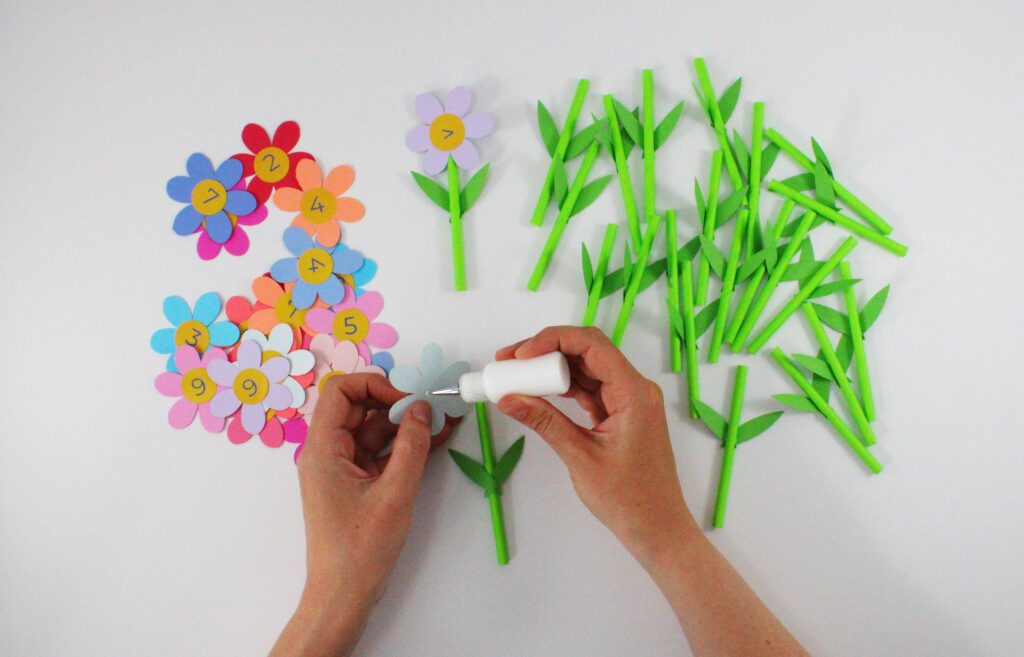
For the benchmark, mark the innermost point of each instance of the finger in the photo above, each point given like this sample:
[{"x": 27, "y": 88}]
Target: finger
[
  {"x": 401, "y": 477},
  {"x": 341, "y": 393},
  {"x": 375, "y": 433},
  {"x": 567, "y": 438},
  {"x": 588, "y": 402},
  {"x": 435, "y": 441},
  {"x": 601, "y": 359},
  {"x": 509, "y": 352}
]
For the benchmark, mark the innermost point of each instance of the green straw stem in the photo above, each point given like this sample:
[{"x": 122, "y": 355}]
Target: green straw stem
[
  {"x": 563, "y": 143},
  {"x": 845, "y": 195},
  {"x": 761, "y": 301},
  {"x": 717, "y": 123},
  {"x": 455, "y": 212},
  {"x": 597, "y": 286},
  {"x": 835, "y": 217},
  {"x": 857, "y": 338},
  {"x": 653, "y": 224},
  {"x": 729, "y": 448},
  {"x": 648, "y": 145},
  {"x": 839, "y": 375},
  {"x": 819, "y": 402},
  {"x": 622, "y": 171},
  {"x": 563, "y": 216},
  {"x": 754, "y": 195},
  {"x": 728, "y": 282},
  {"x": 710, "y": 219},
  {"x": 675, "y": 343},
  {"x": 802, "y": 294},
  {"x": 483, "y": 423},
  {"x": 690, "y": 337}
]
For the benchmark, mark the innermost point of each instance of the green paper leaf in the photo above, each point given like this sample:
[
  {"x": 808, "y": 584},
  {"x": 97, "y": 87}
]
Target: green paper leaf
[
  {"x": 799, "y": 402},
  {"x": 832, "y": 287},
  {"x": 667, "y": 125},
  {"x": 561, "y": 184},
  {"x": 652, "y": 272},
  {"x": 548, "y": 128},
  {"x": 807, "y": 250},
  {"x": 627, "y": 265},
  {"x": 768, "y": 155},
  {"x": 791, "y": 227},
  {"x": 814, "y": 365},
  {"x": 689, "y": 250},
  {"x": 698, "y": 196},
  {"x": 630, "y": 123},
  {"x": 474, "y": 471},
  {"x": 433, "y": 190},
  {"x": 844, "y": 351},
  {"x": 750, "y": 266},
  {"x": 727, "y": 208},
  {"x": 869, "y": 313},
  {"x": 675, "y": 318},
  {"x": 508, "y": 461},
  {"x": 713, "y": 255},
  {"x": 703, "y": 320},
  {"x": 823, "y": 185},
  {"x": 711, "y": 419},
  {"x": 727, "y": 103},
  {"x": 832, "y": 318},
  {"x": 588, "y": 267},
  {"x": 819, "y": 155},
  {"x": 589, "y": 194},
  {"x": 469, "y": 193},
  {"x": 741, "y": 153},
  {"x": 798, "y": 271},
  {"x": 822, "y": 386},
  {"x": 771, "y": 250},
  {"x": 627, "y": 141},
  {"x": 701, "y": 100},
  {"x": 756, "y": 426},
  {"x": 582, "y": 140},
  {"x": 801, "y": 182}
]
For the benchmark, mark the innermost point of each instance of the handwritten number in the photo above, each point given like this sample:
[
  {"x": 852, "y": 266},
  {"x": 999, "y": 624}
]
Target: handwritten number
[
  {"x": 250, "y": 387},
  {"x": 199, "y": 386},
  {"x": 315, "y": 265},
  {"x": 213, "y": 194},
  {"x": 273, "y": 163},
  {"x": 294, "y": 310},
  {"x": 316, "y": 205},
  {"x": 193, "y": 340},
  {"x": 351, "y": 328},
  {"x": 448, "y": 133}
]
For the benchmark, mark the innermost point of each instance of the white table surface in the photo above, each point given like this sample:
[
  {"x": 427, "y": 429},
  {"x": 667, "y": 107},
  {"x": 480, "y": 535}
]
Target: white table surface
[{"x": 119, "y": 535}]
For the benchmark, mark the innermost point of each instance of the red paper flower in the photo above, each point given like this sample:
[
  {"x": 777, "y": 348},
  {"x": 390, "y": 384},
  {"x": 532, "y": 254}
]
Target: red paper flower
[{"x": 270, "y": 164}]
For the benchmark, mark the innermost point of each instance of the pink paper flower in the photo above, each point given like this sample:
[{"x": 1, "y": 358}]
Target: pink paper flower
[
  {"x": 251, "y": 384},
  {"x": 447, "y": 130},
  {"x": 272, "y": 434},
  {"x": 332, "y": 359},
  {"x": 352, "y": 321},
  {"x": 193, "y": 386},
  {"x": 295, "y": 433}
]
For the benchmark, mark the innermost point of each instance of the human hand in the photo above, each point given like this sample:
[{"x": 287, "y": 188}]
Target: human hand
[
  {"x": 622, "y": 468},
  {"x": 357, "y": 507}
]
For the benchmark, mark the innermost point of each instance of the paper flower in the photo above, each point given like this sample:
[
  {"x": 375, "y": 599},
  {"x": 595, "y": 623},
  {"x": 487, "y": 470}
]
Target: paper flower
[
  {"x": 270, "y": 162},
  {"x": 280, "y": 342},
  {"x": 319, "y": 203},
  {"x": 431, "y": 375},
  {"x": 357, "y": 279},
  {"x": 238, "y": 243},
  {"x": 205, "y": 192},
  {"x": 313, "y": 269},
  {"x": 271, "y": 435},
  {"x": 333, "y": 358},
  {"x": 447, "y": 130},
  {"x": 383, "y": 360},
  {"x": 193, "y": 387},
  {"x": 295, "y": 433},
  {"x": 195, "y": 328},
  {"x": 352, "y": 320},
  {"x": 251, "y": 384}
]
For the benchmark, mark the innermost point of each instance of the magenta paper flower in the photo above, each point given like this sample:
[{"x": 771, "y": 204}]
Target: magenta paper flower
[
  {"x": 352, "y": 321},
  {"x": 251, "y": 384},
  {"x": 238, "y": 243},
  {"x": 333, "y": 358},
  {"x": 447, "y": 130},
  {"x": 193, "y": 386},
  {"x": 272, "y": 434},
  {"x": 295, "y": 433}
]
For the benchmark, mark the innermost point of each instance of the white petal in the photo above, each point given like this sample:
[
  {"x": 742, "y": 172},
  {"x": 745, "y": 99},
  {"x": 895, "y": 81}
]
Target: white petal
[{"x": 302, "y": 361}]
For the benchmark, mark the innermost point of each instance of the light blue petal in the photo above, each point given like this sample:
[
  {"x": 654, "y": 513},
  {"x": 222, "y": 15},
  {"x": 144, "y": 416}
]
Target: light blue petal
[
  {"x": 332, "y": 290},
  {"x": 180, "y": 189},
  {"x": 285, "y": 270},
  {"x": 171, "y": 367},
  {"x": 228, "y": 174},
  {"x": 383, "y": 360},
  {"x": 240, "y": 203},
  {"x": 223, "y": 334},
  {"x": 297, "y": 241},
  {"x": 365, "y": 273},
  {"x": 431, "y": 361},
  {"x": 219, "y": 227},
  {"x": 199, "y": 167},
  {"x": 176, "y": 310},
  {"x": 303, "y": 295},
  {"x": 207, "y": 308},
  {"x": 405, "y": 378},
  {"x": 162, "y": 341},
  {"x": 187, "y": 221},
  {"x": 347, "y": 261}
]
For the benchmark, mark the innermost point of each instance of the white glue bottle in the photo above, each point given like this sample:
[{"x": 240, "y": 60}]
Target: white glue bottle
[{"x": 536, "y": 377}]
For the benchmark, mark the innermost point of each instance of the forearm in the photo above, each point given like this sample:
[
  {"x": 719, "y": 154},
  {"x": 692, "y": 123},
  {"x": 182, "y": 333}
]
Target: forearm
[{"x": 324, "y": 625}]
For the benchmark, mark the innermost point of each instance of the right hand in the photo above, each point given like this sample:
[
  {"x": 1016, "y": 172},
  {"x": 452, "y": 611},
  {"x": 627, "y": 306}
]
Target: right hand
[{"x": 622, "y": 468}]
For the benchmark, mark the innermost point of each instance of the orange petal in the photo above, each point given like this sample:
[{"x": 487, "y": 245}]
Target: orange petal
[
  {"x": 349, "y": 209},
  {"x": 264, "y": 320},
  {"x": 329, "y": 234},
  {"x": 308, "y": 174},
  {"x": 288, "y": 199},
  {"x": 267, "y": 290},
  {"x": 340, "y": 179},
  {"x": 304, "y": 224}
]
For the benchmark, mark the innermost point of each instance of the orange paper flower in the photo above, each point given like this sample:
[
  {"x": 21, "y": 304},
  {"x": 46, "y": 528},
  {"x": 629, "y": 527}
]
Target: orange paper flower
[{"x": 319, "y": 202}]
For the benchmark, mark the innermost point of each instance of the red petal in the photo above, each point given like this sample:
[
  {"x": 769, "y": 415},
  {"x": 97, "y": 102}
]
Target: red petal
[
  {"x": 246, "y": 159},
  {"x": 286, "y": 136},
  {"x": 255, "y": 137},
  {"x": 260, "y": 189}
]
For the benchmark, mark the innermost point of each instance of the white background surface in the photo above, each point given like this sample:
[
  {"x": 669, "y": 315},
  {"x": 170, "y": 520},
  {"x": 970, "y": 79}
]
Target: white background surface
[{"x": 119, "y": 535}]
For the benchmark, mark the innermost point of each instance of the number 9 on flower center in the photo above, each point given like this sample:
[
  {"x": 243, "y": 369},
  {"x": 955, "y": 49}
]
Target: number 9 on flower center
[
  {"x": 197, "y": 386},
  {"x": 251, "y": 386}
]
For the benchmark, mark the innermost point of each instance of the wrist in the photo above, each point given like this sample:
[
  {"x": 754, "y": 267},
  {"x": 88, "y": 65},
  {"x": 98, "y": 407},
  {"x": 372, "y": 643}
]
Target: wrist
[
  {"x": 671, "y": 538},
  {"x": 332, "y": 616}
]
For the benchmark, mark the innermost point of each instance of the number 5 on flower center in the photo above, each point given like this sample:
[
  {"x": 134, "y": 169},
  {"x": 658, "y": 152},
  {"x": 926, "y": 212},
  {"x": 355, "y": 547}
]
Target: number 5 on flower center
[{"x": 352, "y": 325}]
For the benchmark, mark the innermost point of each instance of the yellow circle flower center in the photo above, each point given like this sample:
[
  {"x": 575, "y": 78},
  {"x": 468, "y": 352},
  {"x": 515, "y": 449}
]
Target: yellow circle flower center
[
  {"x": 197, "y": 386},
  {"x": 315, "y": 266},
  {"x": 271, "y": 164},
  {"x": 447, "y": 132},
  {"x": 318, "y": 205},
  {"x": 251, "y": 386},
  {"x": 209, "y": 197},
  {"x": 193, "y": 333},
  {"x": 352, "y": 325},
  {"x": 287, "y": 313},
  {"x": 327, "y": 377}
]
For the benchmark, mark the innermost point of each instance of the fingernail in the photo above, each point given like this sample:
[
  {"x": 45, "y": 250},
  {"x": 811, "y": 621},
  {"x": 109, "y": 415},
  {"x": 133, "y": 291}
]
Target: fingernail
[
  {"x": 513, "y": 407},
  {"x": 421, "y": 411}
]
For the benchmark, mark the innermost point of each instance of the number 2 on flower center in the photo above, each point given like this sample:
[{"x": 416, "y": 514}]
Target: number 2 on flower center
[
  {"x": 447, "y": 132},
  {"x": 251, "y": 386},
  {"x": 271, "y": 164}
]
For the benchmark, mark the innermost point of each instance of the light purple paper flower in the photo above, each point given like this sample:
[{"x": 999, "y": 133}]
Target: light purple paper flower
[
  {"x": 251, "y": 384},
  {"x": 447, "y": 130}
]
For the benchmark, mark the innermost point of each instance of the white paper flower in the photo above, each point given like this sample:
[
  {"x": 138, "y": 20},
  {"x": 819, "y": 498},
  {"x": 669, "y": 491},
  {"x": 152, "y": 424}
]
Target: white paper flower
[
  {"x": 429, "y": 376},
  {"x": 279, "y": 343}
]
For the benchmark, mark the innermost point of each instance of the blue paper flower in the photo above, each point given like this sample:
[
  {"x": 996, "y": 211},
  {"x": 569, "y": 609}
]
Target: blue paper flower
[
  {"x": 193, "y": 327},
  {"x": 209, "y": 197},
  {"x": 314, "y": 269},
  {"x": 420, "y": 381},
  {"x": 363, "y": 275},
  {"x": 383, "y": 360}
]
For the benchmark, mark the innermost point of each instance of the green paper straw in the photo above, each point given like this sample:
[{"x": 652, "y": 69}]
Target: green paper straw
[
  {"x": 690, "y": 337},
  {"x": 845, "y": 195},
  {"x": 622, "y": 171},
  {"x": 729, "y": 448},
  {"x": 717, "y": 123},
  {"x": 594, "y": 296},
  {"x": 802, "y": 294},
  {"x": 844, "y": 431},
  {"x": 755, "y": 279},
  {"x": 839, "y": 375},
  {"x": 710, "y": 219},
  {"x": 563, "y": 143},
  {"x": 754, "y": 195},
  {"x": 455, "y": 211},
  {"x": 493, "y": 497},
  {"x": 675, "y": 342},
  {"x": 653, "y": 223},
  {"x": 761, "y": 301},
  {"x": 728, "y": 281},
  {"x": 839, "y": 219},
  {"x": 857, "y": 338},
  {"x": 563, "y": 216},
  {"x": 648, "y": 114}
]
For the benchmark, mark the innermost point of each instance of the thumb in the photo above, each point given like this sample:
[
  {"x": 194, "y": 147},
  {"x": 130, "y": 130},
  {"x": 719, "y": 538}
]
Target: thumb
[
  {"x": 566, "y": 437},
  {"x": 401, "y": 476}
]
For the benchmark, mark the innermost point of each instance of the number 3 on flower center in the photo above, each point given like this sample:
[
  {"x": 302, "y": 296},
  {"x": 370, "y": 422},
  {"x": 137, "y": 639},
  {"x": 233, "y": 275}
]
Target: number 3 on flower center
[
  {"x": 193, "y": 333},
  {"x": 251, "y": 386},
  {"x": 315, "y": 266},
  {"x": 352, "y": 325},
  {"x": 447, "y": 132}
]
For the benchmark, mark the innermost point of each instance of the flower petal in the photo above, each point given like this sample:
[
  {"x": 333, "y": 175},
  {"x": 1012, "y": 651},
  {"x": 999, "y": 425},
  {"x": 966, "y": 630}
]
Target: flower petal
[
  {"x": 250, "y": 354},
  {"x": 264, "y": 320},
  {"x": 431, "y": 360},
  {"x": 319, "y": 319},
  {"x": 210, "y": 422},
  {"x": 182, "y": 413},
  {"x": 219, "y": 227},
  {"x": 259, "y": 188},
  {"x": 237, "y": 433},
  {"x": 267, "y": 290},
  {"x": 207, "y": 308},
  {"x": 180, "y": 188},
  {"x": 328, "y": 234},
  {"x": 345, "y": 357},
  {"x": 458, "y": 101},
  {"x": 308, "y": 175},
  {"x": 322, "y": 347},
  {"x": 478, "y": 124},
  {"x": 286, "y": 136},
  {"x": 222, "y": 372},
  {"x": 255, "y": 217},
  {"x": 187, "y": 221},
  {"x": 162, "y": 341},
  {"x": 384, "y": 360},
  {"x": 256, "y": 336},
  {"x": 238, "y": 243},
  {"x": 276, "y": 369},
  {"x": 365, "y": 273},
  {"x": 176, "y": 310},
  {"x": 466, "y": 155},
  {"x": 381, "y": 335},
  {"x": 434, "y": 161},
  {"x": 168, "y": 384},
  {"x": 348, "y": 261},
  {"x": 247, "y": 160},
  {"x": 255, "y": 137},
  {"x": 297, "y": 241},
  {"x": 240, "y": 202},
  {"x": 279, "y": 397},
  {"x": 332, "y": 291},
  {"x": 428, "y": 107},
  {"x": 272, "y": 434},
  {"x": 207, "y": 248},
  {"x": 406, "y": 378},
  {"x": 186, "y": 358},
  {"x": 280, "y": 339},
  {"x": 228, "y": 173},
  {"x": 340, "y": 179},
  {"x": 223, "y": 334},
  {"x": 295, "y": 431},
  {"x": 288, "y": 199},
  {"x": 302, "y": 360},
  {"x": 309, "y": 405},
  {"x": 303, "y": 295},
  {"x": 254, "y": 418},
  {"x": 224, "y": 403},
  {"x": 296, "y": 391},
  {"x": 416, "y": 140},
  {"x": 285, "y": 270},
  {"x": 238, "y": 309},
  {"x": 199, "y": 167},
  {"x": 349, "y": 209},
  {"x": 370, "y": 303},
  {"x": 399, "y": 407}
]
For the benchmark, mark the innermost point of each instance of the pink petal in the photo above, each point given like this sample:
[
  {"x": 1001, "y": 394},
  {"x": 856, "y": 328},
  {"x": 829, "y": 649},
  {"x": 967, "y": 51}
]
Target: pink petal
[
  {"x": 418, "y": 139},
  {"x": 345, "y": 357},
  {"x": 434, "y": 161},
  {"x": 322, "y": 345},
  {"x": 320, "y": 320},
  {"x": 381, "y": 336},
  {"x": 186, "y": 358},
  {"x": 254, "y": 418},
  {"x": 206, "y": 247},
  {"x": 458, "y": 101},
  {"x": 466, "y": 155},
  {"x": 478, "y": 124},
  {"x": 370, "y": 303},
  {"x": 212, "y": 354},
  {"x": 255, "y": 217},
  {"x": 428, "y": 107},
  {"x": 364, "y": 351},
  {"x": 295, "y": 431},
  {"x": 312, "y": 394},
  {"x": 210, "y": 422},
  {"x": 272, "y": 434},
  {"x": 238, "y": 243},
  {"x": 236, "y": 433},
  {"x": 169, "y": 383},
  {"x": 182, "y": 413}
]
